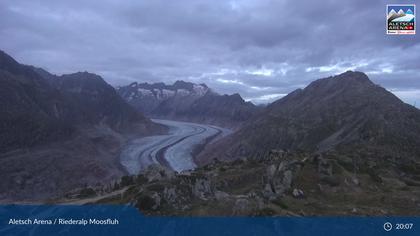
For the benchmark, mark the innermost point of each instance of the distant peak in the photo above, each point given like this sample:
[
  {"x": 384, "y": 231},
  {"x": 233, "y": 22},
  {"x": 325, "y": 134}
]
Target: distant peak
[
  {"x": 8, "y": 63},
  {"x": 181, "y": 82},
  {"x": 236, "y": 97},
  {"x": 86, "y": 74},
  {"x": 349, "y": 80},
  {"x": 354, "y": 75},
  {"x": 185, "y": 83},
  {"x": 5, "y": 55},
  {"x": 83, "y": 75}
]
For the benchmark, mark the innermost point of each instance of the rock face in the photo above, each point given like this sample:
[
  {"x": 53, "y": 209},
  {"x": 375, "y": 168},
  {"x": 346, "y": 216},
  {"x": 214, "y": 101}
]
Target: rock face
[
  {"x": 279, "y": 176},
  {"x": 347, "y": 113},
  {"x": 59, "y": 132},
  {"x": 189, "y": 102}
]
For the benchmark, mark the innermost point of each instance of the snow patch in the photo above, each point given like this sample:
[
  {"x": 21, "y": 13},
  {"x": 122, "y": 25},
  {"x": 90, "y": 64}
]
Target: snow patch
[
  {"x": 199, "y": 89},
  {"x": 131, "y": 96},
  {"x": 182, "y": 92},
  {"x": 145, "y": 92},
  {"x": 167, "y": 93}
]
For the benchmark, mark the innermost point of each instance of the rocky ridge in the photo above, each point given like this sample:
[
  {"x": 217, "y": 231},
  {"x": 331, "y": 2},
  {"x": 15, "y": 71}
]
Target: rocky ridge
[
  {"x": 282, "y": 183},
  {"x": 188, "y": 102}
]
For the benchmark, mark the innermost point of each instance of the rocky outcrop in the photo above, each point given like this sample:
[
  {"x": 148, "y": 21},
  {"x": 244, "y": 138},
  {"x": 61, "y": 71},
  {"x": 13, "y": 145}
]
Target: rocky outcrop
[
  {"x": 202, "y": 188},
  {"x": 283, "y": 183},
  {"x": 164, "y": 189},
  {"x": 279, "y": 175},
  {"x": 156, "y": 172}
]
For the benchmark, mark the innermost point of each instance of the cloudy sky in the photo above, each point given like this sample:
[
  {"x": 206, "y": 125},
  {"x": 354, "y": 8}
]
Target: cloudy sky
[{"x": 261, "y": 49}]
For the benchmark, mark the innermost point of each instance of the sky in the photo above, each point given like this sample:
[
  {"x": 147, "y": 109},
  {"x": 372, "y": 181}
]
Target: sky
[{"x": 261, "y": 49}]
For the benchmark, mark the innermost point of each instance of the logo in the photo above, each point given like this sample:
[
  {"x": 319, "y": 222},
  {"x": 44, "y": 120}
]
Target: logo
[{"x": 401, "y": 19}]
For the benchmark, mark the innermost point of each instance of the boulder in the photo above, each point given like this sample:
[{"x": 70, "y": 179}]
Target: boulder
[
  {"x": 278, "y": 178},
  {"x": 298, "y": 193},
  {"x": 242, "y": 206},
  {"x": 325, "y": 167},
  {"x": 148, "y": 201},
  {"x": 220, "y": 195},
  {"x": 287, "y": 179},
  {"x": 156, "y": 172},
  {"x": 202, "y": 188},
  {"x": 169, "y": 194}
]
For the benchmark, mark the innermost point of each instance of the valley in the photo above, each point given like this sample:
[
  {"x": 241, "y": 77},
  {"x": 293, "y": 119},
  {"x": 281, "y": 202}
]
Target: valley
[
  {"x": 342, "y": 145},
  {"x": 174, "y": 150}
]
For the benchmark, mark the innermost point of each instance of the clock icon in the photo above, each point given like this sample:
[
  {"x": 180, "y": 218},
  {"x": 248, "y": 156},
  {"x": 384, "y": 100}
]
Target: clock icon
[{"x": 387, "y": 226}]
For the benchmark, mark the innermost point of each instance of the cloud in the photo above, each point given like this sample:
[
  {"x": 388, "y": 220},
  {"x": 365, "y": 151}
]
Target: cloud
[{"x": 258, "y": 48}]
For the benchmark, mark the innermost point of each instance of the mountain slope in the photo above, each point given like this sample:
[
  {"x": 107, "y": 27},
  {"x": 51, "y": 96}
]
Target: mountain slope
[
  {"x": 346, "y": 113},
  {"x": 35, "y": 109},
  {"x": 97, "y": 101},
  {"x": 28, "y": 107},
  {"x": 60, "y": 132},
  {"x": 219, "y": 109},
  {"x": 189, "y": 102}
]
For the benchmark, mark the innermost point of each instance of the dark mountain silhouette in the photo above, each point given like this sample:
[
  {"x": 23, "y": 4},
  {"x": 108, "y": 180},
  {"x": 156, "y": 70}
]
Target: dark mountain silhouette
[
  {"x": 345, "y": 113},
  {"x": 189, "y": 102},
  {"x": 60, "y": 132},
  {"x": 96, "y": 101},
  {"x": 46, "y": 107},
  {"x": 29, "y": 107}
]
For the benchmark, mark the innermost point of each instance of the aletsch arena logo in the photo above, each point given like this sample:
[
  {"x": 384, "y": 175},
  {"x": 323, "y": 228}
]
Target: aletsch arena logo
[{"x": 401, "y": 19}]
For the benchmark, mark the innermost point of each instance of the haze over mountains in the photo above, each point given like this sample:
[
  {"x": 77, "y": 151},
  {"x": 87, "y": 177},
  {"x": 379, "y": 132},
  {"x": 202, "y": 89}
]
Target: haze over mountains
[{"x": 189, "y": 102}]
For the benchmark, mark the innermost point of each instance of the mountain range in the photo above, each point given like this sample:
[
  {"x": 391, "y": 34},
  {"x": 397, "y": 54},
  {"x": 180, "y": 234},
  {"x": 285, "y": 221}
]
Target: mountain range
[
  {"x": 346, "y": 113},
  {"x": 52, "y": 129},
  {"x": 189, "y": 102},
  {"x": 341, "y": 146}
]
